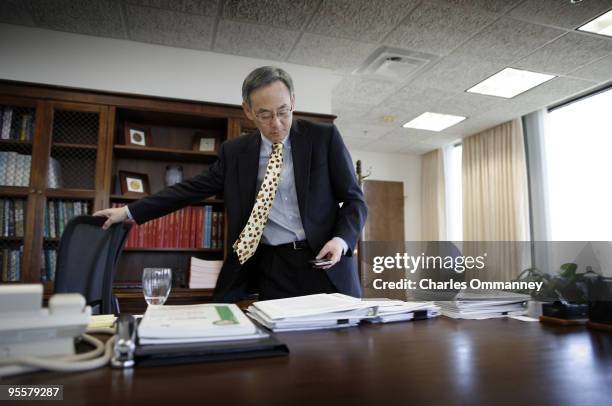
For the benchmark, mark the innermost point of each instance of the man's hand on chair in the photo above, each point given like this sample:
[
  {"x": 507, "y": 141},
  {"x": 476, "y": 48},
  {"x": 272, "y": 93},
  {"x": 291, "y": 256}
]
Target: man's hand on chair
[{"x": 113, "y": 216}]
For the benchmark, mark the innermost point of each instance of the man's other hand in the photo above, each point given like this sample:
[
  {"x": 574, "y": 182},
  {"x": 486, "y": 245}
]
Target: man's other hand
[
  {"x": 332, "y": 250},
  {"x": 116, "y": 215}
]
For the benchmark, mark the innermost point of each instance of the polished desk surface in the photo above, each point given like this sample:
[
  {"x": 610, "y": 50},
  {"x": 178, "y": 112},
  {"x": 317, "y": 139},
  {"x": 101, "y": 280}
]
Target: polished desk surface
[{"x": 438, "y": 361}]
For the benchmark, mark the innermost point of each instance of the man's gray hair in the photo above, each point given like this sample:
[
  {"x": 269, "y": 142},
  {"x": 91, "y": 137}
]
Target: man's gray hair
[{"x": 264, "y": 76}]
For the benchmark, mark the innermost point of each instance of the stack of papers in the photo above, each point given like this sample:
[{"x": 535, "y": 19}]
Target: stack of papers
[
  {"x": 203, "y": 274},
  {"x": 485, "y": 305},
  {"x": 196, "y": 323},
  {"x": 390, "y": 311},
  {"x": 335, "y": 310}
]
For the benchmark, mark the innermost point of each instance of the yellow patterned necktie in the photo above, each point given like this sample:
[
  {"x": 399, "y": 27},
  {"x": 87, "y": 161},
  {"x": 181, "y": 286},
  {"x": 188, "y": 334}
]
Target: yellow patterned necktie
[{"x": 247, "y": 242}]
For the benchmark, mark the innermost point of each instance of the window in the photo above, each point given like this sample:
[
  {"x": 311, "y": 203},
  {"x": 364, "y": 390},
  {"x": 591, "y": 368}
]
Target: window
[
  {"x": 454, "y": 192},
  {"x": 578, "y": 144}
]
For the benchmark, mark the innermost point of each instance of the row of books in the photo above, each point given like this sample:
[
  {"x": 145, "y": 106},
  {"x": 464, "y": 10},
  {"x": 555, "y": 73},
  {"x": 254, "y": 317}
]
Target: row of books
[
  {"x": 15, "y": 126},
  {"x": 48, "y": 264},
  {"x": 59, "y": 212},
  {"x": 191, "y": 227},
  {"x": 12, "y": 217},
  {"x": 10, "y": 260},
  {"x": 15, "y": 170}
]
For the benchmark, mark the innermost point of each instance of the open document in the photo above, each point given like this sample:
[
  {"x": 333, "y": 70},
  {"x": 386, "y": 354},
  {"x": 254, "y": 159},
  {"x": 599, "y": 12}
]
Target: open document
[{"x": 335, "y": 310}]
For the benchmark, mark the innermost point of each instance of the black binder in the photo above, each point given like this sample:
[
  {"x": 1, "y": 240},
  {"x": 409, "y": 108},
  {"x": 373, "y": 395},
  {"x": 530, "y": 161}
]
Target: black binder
[{"x": 185, "y": 353}]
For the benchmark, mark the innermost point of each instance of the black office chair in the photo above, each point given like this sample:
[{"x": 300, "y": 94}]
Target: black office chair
[{"x": 86, "y": 261}]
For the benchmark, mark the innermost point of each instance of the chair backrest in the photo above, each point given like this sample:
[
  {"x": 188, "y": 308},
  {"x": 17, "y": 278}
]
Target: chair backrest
[{"x": 87, "y": 258}]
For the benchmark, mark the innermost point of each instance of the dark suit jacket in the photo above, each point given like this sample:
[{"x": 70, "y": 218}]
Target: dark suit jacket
[{"x": 324, "y": 178}]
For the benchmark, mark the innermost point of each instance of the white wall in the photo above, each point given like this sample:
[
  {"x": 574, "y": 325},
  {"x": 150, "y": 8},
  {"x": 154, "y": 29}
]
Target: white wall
[
  {"x": 74, "y": 60},
  {"x": 398, "y": 167}
]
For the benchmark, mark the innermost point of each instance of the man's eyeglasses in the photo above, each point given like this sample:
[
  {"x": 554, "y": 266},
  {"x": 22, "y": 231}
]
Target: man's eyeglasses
[{"x": 268, "y": 116}]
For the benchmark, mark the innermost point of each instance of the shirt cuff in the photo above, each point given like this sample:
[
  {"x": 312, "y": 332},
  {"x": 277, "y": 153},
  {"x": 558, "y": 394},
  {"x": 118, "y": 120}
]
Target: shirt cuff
[
  {"x": 127, "y": 211},
  {"x": 342, "y": 242}
]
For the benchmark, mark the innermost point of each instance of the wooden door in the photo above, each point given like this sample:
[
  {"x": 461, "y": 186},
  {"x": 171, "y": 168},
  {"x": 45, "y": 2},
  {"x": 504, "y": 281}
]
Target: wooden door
[{"x": 385, "y": 222}]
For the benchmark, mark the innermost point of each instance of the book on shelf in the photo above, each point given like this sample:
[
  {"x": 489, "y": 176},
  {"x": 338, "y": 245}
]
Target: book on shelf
[
  {"x": 7, "y": 118},
  {"x": 15, "y": 125},
  {"x": 203, "y": 274},
  {"x": 12, "y": 214},
  {"x": 59, "y": 212},
  {"x": 190, "y": 227},
  {"x": 48, "y": 264},
  {"x": 15, "y": 170},
  {"x": 11, "y": 264}
]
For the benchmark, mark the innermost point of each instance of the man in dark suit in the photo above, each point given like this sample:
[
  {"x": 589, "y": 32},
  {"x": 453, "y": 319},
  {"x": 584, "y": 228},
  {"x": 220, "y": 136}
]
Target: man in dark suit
[{"x": 308, "y": 202}]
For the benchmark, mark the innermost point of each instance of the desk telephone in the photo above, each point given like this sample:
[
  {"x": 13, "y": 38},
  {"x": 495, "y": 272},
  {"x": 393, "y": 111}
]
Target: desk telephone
[{"x": 33, "y": 337}]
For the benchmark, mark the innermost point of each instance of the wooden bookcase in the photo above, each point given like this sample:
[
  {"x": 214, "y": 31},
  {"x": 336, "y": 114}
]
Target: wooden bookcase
[{"x": 74, "y": 142}]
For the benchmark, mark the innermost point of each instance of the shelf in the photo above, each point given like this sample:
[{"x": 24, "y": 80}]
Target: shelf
[
  {"x": 51, "y": 240},
  {"x": 166, "y": 154},
  {"x": 63, "y": 145},
  {"x": 11, "y": 239},
  {"x": 62, "y": 193},
  {"x": 133, "y": 199},
  {"x": 212, "y": 250},
  {"x": 14, "y": 191},
  {"x": 17, "y": 143}
]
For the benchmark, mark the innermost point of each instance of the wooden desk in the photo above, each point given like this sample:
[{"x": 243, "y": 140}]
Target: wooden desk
[{"x": 439, "y": 361}]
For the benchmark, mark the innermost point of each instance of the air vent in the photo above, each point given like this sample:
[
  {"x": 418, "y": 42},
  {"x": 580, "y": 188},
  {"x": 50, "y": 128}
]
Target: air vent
[{"x": 393, "y": 64}]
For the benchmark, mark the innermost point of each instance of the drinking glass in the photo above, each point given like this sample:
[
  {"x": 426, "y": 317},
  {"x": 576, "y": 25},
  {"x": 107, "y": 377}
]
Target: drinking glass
[{"x": 156, "y": 284}]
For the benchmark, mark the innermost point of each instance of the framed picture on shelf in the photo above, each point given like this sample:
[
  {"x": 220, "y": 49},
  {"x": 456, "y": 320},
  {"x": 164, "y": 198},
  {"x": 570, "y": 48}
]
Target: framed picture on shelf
[
  {"x": 204, "y": 143},
  {"x": 134, "y": 184},
  {"x": 137, "y": 135}
]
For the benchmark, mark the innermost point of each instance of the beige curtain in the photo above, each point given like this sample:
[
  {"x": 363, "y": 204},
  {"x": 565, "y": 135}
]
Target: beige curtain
[
  {"x": 433, "y": 206},
  {"x": 495, "y": 196}
]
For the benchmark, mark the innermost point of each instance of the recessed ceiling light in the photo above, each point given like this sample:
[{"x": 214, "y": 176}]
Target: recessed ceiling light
[
  {"x": 510, "y": 82},
  {"x": 433, "y": 121},
  {"x": 601, "y": 25}
]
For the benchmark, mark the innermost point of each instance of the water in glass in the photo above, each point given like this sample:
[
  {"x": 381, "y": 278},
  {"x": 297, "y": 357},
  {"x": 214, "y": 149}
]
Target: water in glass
[{"x": 156, "y": 284}]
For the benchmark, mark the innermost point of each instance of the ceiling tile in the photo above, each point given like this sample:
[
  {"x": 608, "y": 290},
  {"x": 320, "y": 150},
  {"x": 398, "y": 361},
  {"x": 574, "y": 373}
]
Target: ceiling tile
[
  {"x": 362, "y": 20},
  {"x": 348, "y": 111},
  {"x": 561, "y": 13},
  {"x": 169, "y": 28},
  {"x": 438, "y": 28},
  {"x": 599, "y": 71},
  {"x": 551, "y": 92},
  {"x": 102, "y": 18},
  {"x": 340, "y": 54},
  {"x": 418, "y": 149},
  {"x": 457, "y": 73},
  {"x": 389, "y": 148},
  {"x": 507, "y": 40},
  {"x": 360, "y": 129},
  {"x": 367, "y": 91},
  {"x": 202, "y": 7},
  {"x": 407, "y": 136},
  {"x": 257, "y": 41},
  {"x": 15, "y": 12},
  {"x": 287, "y": 14},
  {"x": 475, "y": 125},
  {"x": 469, "y": 104},
  {"x": 494, "y": 6},
  {"x": 356, "y": 142},
  {"x": 405, "y": 104},
  {"x": 566, "y": 54}
]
